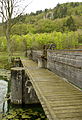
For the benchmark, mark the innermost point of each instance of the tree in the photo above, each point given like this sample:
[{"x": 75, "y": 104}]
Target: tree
[
  {"x": 70, "y": 24},
  {"x": 44, "y": 25},
  {"x": 38, "y": 12},
  {"x": 8, "y": 10},
  {"x": 19, "y": 29}
]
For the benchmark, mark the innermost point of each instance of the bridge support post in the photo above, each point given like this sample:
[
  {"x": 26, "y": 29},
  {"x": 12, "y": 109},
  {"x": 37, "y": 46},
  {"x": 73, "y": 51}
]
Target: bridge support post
[
  {"x": 17, "y": 62},
  {"x": 17, "y": 76},
  {"x": 22, "y": 91},
  {"x": 42, "y": 62}
]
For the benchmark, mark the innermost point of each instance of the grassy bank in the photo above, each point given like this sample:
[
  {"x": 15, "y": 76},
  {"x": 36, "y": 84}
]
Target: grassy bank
[{"x": 4, "y": 59}]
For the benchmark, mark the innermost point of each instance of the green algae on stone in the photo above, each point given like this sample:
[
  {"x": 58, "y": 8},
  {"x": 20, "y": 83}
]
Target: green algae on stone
[
  {"x": 42, "y": 116},
  {"x": 24, "y": 114},
  {"x": 16, "y": 119},
  {"x": 10, "y": 116},
  {"x": 4, "y": 119},
  {"x": 38, "y": 119}
]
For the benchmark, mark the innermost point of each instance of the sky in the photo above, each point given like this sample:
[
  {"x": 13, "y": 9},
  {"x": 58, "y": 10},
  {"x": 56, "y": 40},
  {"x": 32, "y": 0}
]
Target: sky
[
  {"x": 36, "y": 5},
  {"x": 42, "y": 4}
]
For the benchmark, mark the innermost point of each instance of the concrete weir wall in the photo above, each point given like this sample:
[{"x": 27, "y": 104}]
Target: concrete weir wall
[
  {"x": 67, "y": 64},
  {"x": 22, "y": 91},
  {"x": 36, "y": 54}
]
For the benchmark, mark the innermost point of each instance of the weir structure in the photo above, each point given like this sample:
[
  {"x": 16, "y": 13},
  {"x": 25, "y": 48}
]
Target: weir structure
[
  {"x": 22, "y": 91},
  {"x": 60, "y": 99}
]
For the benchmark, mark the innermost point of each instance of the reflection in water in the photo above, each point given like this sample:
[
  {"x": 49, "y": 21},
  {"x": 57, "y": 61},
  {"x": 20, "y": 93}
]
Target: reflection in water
[{"x": 3, "y": 92}]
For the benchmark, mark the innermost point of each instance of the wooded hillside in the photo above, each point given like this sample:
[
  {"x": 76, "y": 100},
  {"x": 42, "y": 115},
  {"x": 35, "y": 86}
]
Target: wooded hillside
[{"x": 66, "y": 19}]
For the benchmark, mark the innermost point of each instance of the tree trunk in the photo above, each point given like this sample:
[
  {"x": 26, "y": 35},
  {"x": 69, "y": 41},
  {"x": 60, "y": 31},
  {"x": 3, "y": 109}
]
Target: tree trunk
[{"x": 8, "y": 29}]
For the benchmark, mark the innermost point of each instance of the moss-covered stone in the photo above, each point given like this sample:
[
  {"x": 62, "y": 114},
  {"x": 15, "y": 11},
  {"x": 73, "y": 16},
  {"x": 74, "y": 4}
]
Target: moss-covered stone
[{"x": 24, "y": 114}]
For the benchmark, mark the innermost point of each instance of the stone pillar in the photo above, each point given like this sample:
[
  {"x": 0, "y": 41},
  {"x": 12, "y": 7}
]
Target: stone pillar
[
  {"x": 17, "y": 76},
  {"x": 42, "y": 63},
  {"x": 22, "y": 91},
  {"x": 17, "y": 62}
]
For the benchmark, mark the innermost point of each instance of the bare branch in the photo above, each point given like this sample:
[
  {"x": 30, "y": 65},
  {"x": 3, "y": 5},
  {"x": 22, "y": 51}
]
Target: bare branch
[{"x": 7, "y": 9}]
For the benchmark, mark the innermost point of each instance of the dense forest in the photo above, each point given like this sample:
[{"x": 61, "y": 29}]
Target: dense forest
[{"x": 61, "y": 25}]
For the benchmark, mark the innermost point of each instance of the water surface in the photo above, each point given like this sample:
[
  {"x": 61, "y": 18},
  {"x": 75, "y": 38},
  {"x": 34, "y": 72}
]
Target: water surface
[{"x": 3, "y": 92}]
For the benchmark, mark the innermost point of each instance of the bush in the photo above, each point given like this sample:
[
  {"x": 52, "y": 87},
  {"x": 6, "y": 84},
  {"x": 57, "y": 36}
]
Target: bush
[{"x": 37, "y": 41}]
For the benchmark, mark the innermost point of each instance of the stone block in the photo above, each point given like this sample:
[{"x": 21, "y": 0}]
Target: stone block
[{"x": 17, "y": 76}]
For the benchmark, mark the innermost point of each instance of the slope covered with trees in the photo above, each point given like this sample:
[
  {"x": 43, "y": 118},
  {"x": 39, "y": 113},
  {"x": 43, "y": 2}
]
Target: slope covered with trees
[
  {"x": 61, "y": 25},
  {"x": 64, "y": 17}
]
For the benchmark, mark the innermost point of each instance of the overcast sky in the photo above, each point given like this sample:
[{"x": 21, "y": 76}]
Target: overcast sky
[
  {"x": 42, "y": 4},
  {"x": 36, "y": 5}
]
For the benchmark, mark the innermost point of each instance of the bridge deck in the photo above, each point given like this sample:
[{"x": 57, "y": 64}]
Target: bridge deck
[{"x": 60, "y": 100}]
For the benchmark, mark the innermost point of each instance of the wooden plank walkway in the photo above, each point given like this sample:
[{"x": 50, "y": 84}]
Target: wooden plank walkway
[{"x": 60, "y": 99}]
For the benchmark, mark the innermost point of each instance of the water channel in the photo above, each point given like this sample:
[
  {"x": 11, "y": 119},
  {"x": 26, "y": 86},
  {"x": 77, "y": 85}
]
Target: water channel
[{"x": 3, "y": 92}]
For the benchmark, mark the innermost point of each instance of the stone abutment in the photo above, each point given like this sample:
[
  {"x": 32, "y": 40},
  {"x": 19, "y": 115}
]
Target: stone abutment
[{"x": 22, "y": 91}]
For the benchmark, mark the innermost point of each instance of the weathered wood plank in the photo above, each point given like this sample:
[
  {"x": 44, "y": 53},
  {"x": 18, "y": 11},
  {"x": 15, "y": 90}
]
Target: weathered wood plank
[{"x": 60, "y": 100}]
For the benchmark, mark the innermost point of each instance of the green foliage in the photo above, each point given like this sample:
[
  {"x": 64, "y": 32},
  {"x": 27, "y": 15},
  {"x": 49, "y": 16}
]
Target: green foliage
[
  {"x": 44, "y": 25},
  {"x": 30, "y": 19},
  {"x": 25, "y": 114},
  {"x": 60, "y": 12},
  {"x": 36, "y": 41},
  {"x": 3, "y": 44},
  {"x": 70, "y": 24},
  {"x": 38, "y": 12},
  {"x": 78, "y": 21},
  {"x": 67, "y": 9},
  {"x": 23, "y": 29},
  {"x": 3, "y": 60},
  {"x": 62, "y": 40},
  {"x": 75, "y": 10},
  {"x": 16, "y": 43},
  {"x": 64, "y": 17},
  {"x": 80, "y": 37},
  {"x": 19, "y": 29},
  {"x": 1, "y": 30}
]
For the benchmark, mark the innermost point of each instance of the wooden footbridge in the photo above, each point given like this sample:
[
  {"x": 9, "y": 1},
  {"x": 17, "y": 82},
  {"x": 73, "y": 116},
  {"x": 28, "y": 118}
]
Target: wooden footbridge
[{"x": 60, "y": 99}]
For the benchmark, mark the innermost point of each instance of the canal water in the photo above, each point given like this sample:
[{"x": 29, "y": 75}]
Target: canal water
[
  {"x": 3, "y": 92},
  {"x": 11, "y": 112}
]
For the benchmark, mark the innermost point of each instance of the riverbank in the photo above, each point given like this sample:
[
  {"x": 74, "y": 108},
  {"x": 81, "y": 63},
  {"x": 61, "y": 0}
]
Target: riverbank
[
  {"x": 5, "y": 74},
  {"x": 4, "y": 59}
]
